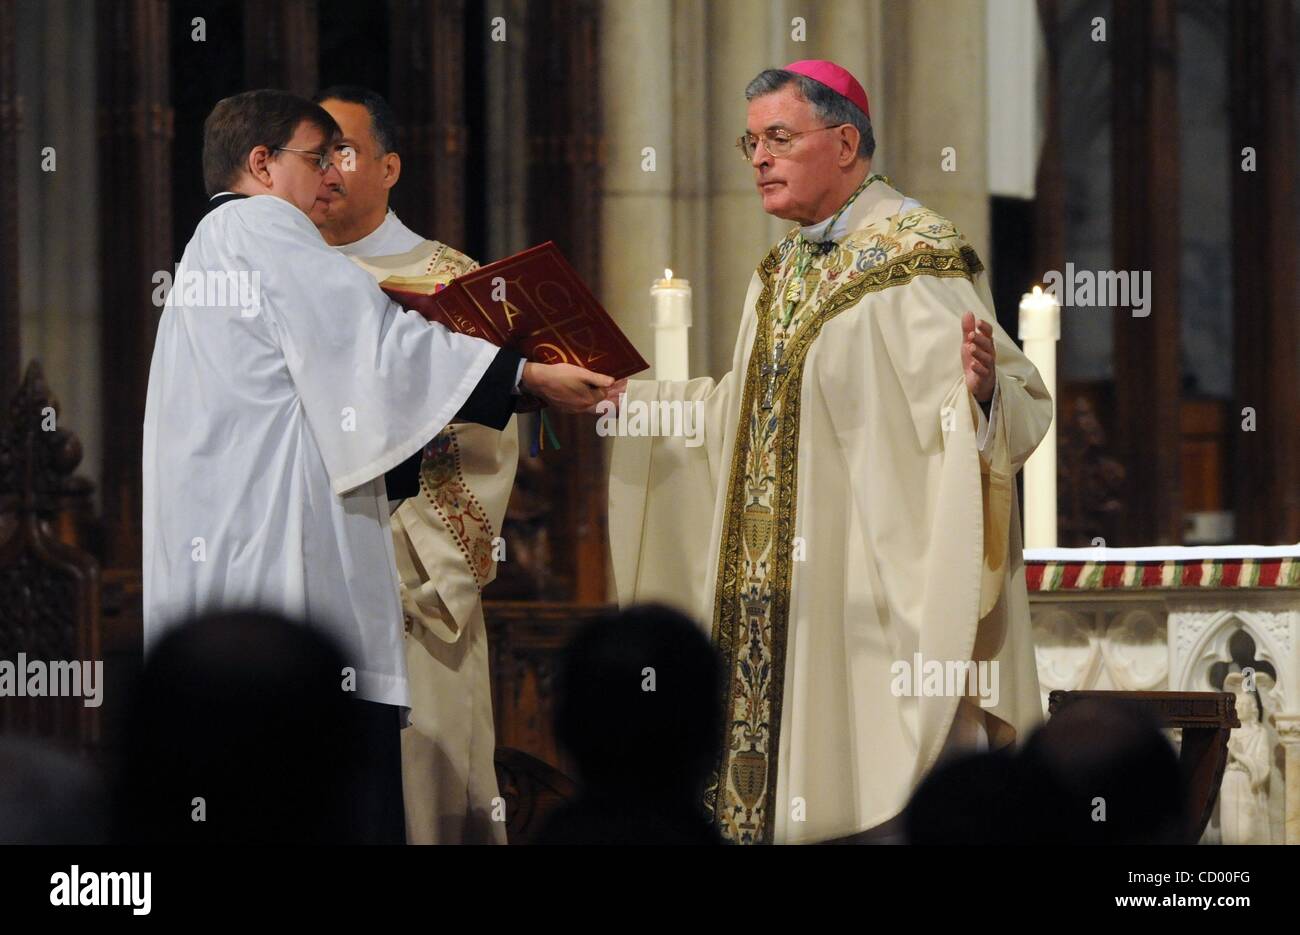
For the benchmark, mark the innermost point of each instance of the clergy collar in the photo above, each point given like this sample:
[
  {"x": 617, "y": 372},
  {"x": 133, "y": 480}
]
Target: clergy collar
[
  {"x": 834, "y": 227},
  {"x": 878, "y": 200},
  {"x": 221, "y": 198},
  {"x": 361, "y": 247},
  {"x": 816, "y": 233}
]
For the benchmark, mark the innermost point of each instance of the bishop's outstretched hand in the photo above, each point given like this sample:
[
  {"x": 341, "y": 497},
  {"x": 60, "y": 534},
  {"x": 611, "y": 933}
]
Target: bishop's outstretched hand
[
  {"x": 611, "y": 395},
  {"x": 978, "y": 357}
]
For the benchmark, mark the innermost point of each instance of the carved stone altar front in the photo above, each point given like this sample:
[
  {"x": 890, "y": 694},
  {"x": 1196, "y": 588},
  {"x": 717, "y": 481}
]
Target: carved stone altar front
[{"x": 1178, "y": 619}]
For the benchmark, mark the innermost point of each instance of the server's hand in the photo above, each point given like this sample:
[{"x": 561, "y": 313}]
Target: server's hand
[{"x": 564, "y": 386}]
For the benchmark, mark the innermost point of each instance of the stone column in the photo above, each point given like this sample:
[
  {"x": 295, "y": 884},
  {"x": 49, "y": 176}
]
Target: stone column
[
  {"x": 507, "y": 136},
  {"x": 740, "y": 235},
  {"x": 1288, "y": 731},
  {"x": 57, "y": 278},
  {"x": 935, "y": 94},
  {"x": 637, "y": 242}
]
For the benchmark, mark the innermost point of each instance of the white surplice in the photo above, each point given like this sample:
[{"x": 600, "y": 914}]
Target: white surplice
[{"x": 269, "y": 425}]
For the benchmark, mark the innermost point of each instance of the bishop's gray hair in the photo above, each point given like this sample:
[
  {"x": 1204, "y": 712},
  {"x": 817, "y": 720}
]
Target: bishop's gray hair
[{"x": 828, "y": 105}]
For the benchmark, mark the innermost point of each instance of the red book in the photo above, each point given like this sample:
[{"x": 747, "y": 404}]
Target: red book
[{"x": 534, "y": 303}]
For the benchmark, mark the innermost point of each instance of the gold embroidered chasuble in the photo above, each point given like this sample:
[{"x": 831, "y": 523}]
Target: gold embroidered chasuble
[{"x": 854, "y": 524}]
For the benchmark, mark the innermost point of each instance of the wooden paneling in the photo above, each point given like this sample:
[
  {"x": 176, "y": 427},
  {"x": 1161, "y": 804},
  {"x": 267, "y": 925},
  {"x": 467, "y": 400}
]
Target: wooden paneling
[
  {"x": 49, "y": 589},
  {"x": 1145, "y": 176},
  {"x": 566, "y": 151},
  {"x": 1204, "y": 453},
  {"x": 1205, "y": 720},
  {"x": 135, "y": 135},
  {"x": 10, "y": 346},
  {"x": 1266, "y": 461},
  {"x": 280, "y": 45},
  {"x": 525, "y": 640},
  {"x": 1049, "y": 183},
  {"x": 427, "y": 90}
]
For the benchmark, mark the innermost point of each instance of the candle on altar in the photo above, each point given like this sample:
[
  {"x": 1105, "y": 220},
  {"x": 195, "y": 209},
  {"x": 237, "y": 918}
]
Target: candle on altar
[
  {"x": 670, "y": 317},
  {"x": 1040, "y": 329}
]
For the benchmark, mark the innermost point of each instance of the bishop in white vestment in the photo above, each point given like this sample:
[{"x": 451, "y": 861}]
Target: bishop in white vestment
[{"x": 849, "y": 521}]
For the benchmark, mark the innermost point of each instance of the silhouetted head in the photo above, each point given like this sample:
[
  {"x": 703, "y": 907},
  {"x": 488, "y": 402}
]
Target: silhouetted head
[
  {"x": 639, "y": 706},
  {"x": 965, "y": 800},
  {"x": 48, "y": 796},
  {"x": 246, "y": 713},
  {"x": 1101, "y": 772}
]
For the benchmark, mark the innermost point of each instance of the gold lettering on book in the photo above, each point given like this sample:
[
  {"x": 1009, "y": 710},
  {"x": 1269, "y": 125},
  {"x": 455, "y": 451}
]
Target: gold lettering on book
[
  {"x": 465, "y": 325},
  {"x": 550, "y": 354},
  {"x": 578, "y": 341},
  {"x": 512, "y": 311}
]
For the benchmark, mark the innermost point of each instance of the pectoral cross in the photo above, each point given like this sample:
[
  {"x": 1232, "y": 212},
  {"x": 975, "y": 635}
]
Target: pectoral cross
[{"x": 773, "y": 371}]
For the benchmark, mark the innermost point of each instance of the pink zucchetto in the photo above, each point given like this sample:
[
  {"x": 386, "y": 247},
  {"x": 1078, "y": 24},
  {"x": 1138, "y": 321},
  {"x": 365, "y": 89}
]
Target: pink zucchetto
[{"x": 834, "y": 77}]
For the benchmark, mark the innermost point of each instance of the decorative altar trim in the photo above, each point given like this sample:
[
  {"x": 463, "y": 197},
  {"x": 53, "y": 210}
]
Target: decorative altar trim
[{"x": 1048, "y": 570}]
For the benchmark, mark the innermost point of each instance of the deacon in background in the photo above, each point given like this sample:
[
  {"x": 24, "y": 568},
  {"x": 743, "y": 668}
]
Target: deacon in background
[
  {"x": 850, "y": 521},
  {"x": 445, "y": 535},
  {"x": 283, "y": 385}
]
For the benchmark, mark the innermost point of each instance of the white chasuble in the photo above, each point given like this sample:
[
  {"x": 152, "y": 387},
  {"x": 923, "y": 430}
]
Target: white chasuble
[
  {"x": 840, "y": 531},
  {"x": 447, "y": 542},
  {"x": 283, "y": 385}
]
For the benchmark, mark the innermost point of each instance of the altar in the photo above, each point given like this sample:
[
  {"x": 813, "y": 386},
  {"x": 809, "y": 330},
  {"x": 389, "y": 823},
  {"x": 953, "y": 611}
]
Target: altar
[{"x": 1215, "y": 618}]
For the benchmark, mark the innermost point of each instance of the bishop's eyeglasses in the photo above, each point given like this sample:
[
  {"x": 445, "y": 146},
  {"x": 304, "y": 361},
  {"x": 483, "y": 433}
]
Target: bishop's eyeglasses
[{"x": 776, "y": 142}]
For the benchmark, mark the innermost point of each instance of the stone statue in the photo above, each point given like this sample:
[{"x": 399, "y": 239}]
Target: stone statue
[{"x": 1243, "y": 798}]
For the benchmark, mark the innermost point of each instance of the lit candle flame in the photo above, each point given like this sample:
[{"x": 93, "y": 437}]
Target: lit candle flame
[{"x": 668, "y": 274}]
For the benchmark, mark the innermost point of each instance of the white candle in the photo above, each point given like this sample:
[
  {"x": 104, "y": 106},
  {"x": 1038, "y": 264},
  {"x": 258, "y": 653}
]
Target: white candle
[
  {"x": 670, "y": 317},
  {"x": 1040, "y": 329}
]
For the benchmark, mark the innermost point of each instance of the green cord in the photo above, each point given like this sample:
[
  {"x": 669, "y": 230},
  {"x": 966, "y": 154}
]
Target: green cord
[{"x": 550, "y": 432}]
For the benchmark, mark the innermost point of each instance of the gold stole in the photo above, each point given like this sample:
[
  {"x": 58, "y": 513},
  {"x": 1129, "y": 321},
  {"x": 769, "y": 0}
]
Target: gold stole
[{"x": 751, "y": 604}]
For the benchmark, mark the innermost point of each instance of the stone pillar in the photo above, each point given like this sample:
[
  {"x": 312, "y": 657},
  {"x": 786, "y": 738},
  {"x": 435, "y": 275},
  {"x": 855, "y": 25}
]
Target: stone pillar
[
  {"x": 507, "y": 135},
  {"x": 1288, "y": 731},
  {"x": 637, "y": 242},
  {"x": 57, "y": 279},
  {"x": 739, "y": 234},
  {"x": 935, "y": 98}
]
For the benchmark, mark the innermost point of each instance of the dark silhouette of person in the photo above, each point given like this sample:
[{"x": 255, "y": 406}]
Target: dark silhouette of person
[
  {"x": 1097, "y": 772},
  {"x": 964, "y": 800},
  {"x": 49, "y": 795},
  {"x": 1102, "y": 772},
  {"x": 639, "y": 710},
  {"x": 240, "y": 731}
]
